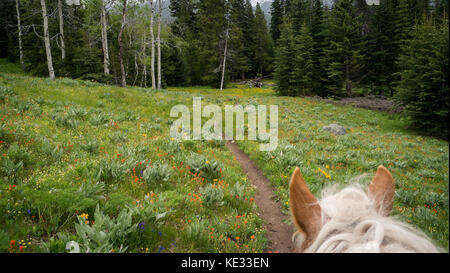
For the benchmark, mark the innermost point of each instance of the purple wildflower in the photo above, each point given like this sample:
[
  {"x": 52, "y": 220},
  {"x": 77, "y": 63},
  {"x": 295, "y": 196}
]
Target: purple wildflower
[
  {"x": 161, "y": 248},
  {"x": 142, "y": 225}
]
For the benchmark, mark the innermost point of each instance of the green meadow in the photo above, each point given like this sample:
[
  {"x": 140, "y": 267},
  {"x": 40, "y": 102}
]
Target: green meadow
[{"x": 94, "y": 164}]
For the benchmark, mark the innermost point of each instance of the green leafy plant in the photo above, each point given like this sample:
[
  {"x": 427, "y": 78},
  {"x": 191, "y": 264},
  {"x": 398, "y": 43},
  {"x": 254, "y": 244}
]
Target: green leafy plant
[
  {"x": 90, "y": 146},
  {"x": 99, "y": 119},
  {"x": 66, "y": 121},
  {"x": 105, "y": 235},
  {"x": 20, "y": 154},
  {"x": 118, "y": 137},
  {"x": 207, "y": 168},
  {"x": 5, "y": 92},
  {"x": 212, "y": 196},
  {"x": 157, "y": 174}
]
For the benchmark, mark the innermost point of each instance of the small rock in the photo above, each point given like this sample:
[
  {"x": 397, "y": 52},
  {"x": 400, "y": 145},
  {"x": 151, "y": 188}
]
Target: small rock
[{"x": 335, "y": 129}]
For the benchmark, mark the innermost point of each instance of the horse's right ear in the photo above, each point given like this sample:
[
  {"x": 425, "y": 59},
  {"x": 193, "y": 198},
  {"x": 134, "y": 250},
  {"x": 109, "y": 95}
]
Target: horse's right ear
[{"x": 305, "y": 210}]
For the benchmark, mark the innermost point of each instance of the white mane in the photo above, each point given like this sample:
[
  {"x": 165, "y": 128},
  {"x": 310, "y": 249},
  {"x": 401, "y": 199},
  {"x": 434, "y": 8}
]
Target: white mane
[{"x": 351, "y": 223}]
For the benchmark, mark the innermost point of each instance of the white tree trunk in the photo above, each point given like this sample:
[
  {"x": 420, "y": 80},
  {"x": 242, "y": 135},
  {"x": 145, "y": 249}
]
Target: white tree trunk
[
  {"x": 159, "y": 43},
  {"x": 122, "y": 27},
  {"x": 224, "y": 60},
  {"x": 105, "y": 40},
  {"x": 144, "y": 57},
  {"x": 152, "y": 36},
  {"x": 19, "y": 27},
  {"x": 61, "y": 30},
  {"x": 48, "y": 49}
]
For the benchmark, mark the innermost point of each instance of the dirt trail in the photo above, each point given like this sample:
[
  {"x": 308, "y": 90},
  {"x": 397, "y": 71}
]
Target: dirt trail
[{"x": 278, "y": 233}]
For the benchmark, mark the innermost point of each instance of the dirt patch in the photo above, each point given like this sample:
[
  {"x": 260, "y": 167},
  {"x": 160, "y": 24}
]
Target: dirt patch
[
  {"x": 278, "y": 233},
  {"x": 369, "y": 102}
]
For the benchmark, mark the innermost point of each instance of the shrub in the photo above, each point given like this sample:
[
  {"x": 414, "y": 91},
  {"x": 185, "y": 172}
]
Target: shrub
[
  {"x": 105, "y": 235},
  {"x": 5, "y": 92},
  {"x": 77, "y": 112},
  {"x": 57, "y": 205},
  {"x": 110, "y": 170},
  {"x": 237, "y": 190},
  {"x": 90, "y": 146},
  {"x": 195, "y": 232},
  {"x": 128, "y": 116},
  {"x": 19, "y": 154},
  {"x": 148, "y": 127},
  {"x": 172, "y": 147},
  {"x": 118, "y": 137},
  {"x": 9, "y": 167},
  {"x": 157, "y": 174},
  {"x": 207, "y": 168},
  {"x": 93, "y": 190},
  {"x": 212, "y": 196},
  {"x": 66, "y": 121},
  {"x": 54, "y": 152},
  {"x": 99, "y": 119}
]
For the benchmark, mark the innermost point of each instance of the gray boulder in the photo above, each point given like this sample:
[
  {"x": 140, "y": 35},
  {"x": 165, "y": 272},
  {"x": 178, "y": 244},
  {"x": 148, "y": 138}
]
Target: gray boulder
[{"x": 335, "y": 129}]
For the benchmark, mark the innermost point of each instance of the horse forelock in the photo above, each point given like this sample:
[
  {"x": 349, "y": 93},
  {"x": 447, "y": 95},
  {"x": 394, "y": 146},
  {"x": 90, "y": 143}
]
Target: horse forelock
[{"x": 351, "y": 222}]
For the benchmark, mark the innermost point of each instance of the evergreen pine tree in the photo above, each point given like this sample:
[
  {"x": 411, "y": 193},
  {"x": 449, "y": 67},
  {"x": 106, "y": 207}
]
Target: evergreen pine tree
[
  {"x": 301, "y": 77},
  {"x": 211, "y": 25},
  {"x": 262, "y": 43},
  {"x": 240, "y": 39},
  {"x": 344, "y": 52},
  {"x": 276, "y": 12},
  {"x": 320, "y": 36},
  {"x": 284, "y": 61},
  {"x": 424, "y": 85}
]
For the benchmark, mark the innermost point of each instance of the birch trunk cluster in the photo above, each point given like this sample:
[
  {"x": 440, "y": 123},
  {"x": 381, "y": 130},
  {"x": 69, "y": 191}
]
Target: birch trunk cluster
[{"x": 48, "y": 49}]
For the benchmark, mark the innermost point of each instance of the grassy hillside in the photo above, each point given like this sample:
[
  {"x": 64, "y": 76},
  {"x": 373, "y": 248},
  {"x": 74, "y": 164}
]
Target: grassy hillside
[
  {"x": 68, "y": 146},
  {"x": 420, "y": 165}
]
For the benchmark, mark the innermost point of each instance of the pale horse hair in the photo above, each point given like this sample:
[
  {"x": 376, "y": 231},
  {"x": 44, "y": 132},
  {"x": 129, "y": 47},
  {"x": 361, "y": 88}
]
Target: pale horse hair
[{"x": 351, "y": 223}]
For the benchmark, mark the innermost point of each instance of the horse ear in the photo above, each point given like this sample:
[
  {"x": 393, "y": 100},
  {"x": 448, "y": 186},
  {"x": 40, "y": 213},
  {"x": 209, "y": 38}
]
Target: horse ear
[
  {"x": 305, "y": 210},
  {"x": 382, "y": 190}
]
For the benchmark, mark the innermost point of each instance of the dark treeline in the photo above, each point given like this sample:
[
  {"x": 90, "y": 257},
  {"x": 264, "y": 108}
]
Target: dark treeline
[
  {"x": 192, "y": 41},
  {"x": 207, "y": 27},
  {"x": 397, "y": 49}
]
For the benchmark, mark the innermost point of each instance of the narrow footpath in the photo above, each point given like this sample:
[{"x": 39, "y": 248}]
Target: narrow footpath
[{"x": 278, "y": 233}]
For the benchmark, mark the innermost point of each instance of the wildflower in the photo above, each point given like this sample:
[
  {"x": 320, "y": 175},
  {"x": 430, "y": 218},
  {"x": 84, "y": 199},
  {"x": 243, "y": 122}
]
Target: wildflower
[
  {"x": 12, "y": 242},
  {"x": 161, "y": 248},
  {"x": 252, "y": 237},
  {"x": 84, "y": 216},
  {"x": 142, "y": 225}
]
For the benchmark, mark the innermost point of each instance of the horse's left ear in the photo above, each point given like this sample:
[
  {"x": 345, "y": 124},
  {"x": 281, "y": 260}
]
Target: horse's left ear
[
  {"x": 305, "y": 210},
  {"x": 382, "y": 190}
]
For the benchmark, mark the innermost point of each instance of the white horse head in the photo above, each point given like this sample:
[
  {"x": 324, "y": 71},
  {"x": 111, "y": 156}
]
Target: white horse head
[{"x": 352, "y": 220}]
